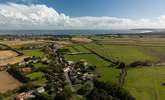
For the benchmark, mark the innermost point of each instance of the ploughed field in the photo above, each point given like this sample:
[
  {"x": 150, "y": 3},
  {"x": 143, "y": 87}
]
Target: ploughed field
[
  {"x": 8, "y": 82},
  {"x": 9, "y": 57},
  {"x": 143, "y": 82}
]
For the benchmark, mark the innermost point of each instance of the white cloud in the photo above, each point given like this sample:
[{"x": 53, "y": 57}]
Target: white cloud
[{"x": 20, "y": 16}]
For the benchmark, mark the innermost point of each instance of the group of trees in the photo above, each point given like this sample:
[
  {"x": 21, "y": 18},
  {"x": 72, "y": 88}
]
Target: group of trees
[
  {"x": 108, "y": 91},
  {"x": 14, "y": 71}
]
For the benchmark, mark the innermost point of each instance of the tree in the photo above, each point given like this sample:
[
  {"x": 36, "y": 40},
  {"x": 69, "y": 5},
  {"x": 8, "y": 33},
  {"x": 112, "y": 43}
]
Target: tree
[{"x": 86, "y": 88}]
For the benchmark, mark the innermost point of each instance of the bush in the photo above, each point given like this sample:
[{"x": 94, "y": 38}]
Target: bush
[{"x": 140, "y": 63}]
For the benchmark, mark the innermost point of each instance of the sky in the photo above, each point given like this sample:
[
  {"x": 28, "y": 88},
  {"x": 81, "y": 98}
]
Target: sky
[{"x": 81, "y": 14}]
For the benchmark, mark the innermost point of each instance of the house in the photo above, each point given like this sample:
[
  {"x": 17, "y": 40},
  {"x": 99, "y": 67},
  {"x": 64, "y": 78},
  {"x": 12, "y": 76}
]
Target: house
[
  {"x": 66, "y": 69},
  {"x": 70, "y": 63},
  {"x": 24, "y": 95},
  {"x": 88, "y": 76},
  {"x": 40, "y": 89},
  {"x": 25, "y": 69}
]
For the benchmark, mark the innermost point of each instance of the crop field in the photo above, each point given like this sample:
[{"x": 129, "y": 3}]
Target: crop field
[
  {"x": 146, "y": 83},
  {"x": 107, "y": 73},
  {"x": 8, "y": 82},
  {"x": 6, "y": 54},
  {"x": 34, "y": 52},
  {"x": 9, "y": 57}
]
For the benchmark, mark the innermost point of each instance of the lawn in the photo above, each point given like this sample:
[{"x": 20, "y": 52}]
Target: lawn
[
  {"x": 34, "y": 52},
  {"x": 146, "y": 83},
  {"x": 40, "y": 82},
  {"x": 35, "y": 75},
  {"x": 107, "y": 73},
  {"x": 40, "y": 65}
]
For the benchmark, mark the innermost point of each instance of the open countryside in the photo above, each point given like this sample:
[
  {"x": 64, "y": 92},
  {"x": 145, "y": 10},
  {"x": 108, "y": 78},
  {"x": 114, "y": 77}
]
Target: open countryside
[{"x": 82, "y": 50}]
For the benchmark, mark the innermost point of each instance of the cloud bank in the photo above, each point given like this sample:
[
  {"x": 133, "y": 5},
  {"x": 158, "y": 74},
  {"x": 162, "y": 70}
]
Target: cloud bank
[{"x": 20, "y": 16}]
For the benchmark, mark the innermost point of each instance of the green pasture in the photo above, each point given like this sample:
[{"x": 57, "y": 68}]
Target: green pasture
[
  {"x": 35, "y": 75},
  {"x": 146, "y": 83},
  {"x": 124, "y": 53},
  {"x": 34, "y": 52},
  {"x": 40, "y": 65}
]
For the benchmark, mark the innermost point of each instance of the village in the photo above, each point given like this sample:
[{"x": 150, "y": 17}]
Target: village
[{"x": 31, "y": 70}]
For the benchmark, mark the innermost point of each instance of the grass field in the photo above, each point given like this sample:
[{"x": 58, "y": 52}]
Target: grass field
[
  {"x": 40, "y": 82},
  {"x": 35, "y": 75},
  {"x": 107, "y": 73},
  {"x": 124, "y": 53},
  {"x": 146, "y": 83},
  {"x": 40, "y": 65},
  {"x": 80, "y": 48},
  {"x": 34, "y": 52}
]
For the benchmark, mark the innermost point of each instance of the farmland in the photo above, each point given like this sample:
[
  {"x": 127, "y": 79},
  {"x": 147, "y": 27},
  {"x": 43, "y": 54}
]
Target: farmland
[
  {"x": 105, "y": 54},
  {"x": 34, "y": 52},
  {"x": 8, "y": 82},
  {"x": 124, "y": 53},
  {"x": 144, "y": 83}
]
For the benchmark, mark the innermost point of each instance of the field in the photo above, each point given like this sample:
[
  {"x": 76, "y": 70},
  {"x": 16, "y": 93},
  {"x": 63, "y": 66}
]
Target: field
[
  {"x": 34, "y": 52},
  {"x": 124, "y": 53},
  {"x": 40, "y": 65},
  {"x": 146, "y": 83},
  {"x": 35, "y": 75},
  {"x": 6, "y": 54},
  {"x": 9, "y": 57},
  {"x": 8, "y": 82}
]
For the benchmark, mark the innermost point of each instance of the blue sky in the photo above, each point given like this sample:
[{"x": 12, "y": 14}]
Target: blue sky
[
  {"x": 117, "y": 8},
  {"x": 82, "y": 14}
]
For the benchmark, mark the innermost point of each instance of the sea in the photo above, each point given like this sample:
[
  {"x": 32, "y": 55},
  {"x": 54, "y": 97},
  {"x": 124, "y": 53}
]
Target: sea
[{"x": 69, "y": 32}]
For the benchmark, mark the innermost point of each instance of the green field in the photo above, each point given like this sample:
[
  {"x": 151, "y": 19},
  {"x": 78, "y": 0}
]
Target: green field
[
  {"x": 124, "y": 53},
  {"x": 107, "y": 73},
  {"x": 40, "y": 65},
  {"x": 35, "y": 75},
  {"x": 40, "y": 82},
  {"x": 143, "y": 83},
  {"x": 81, "y": 49},
  {"x": 146, "y": 83},
  {"x": 34, "y": 52}
]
